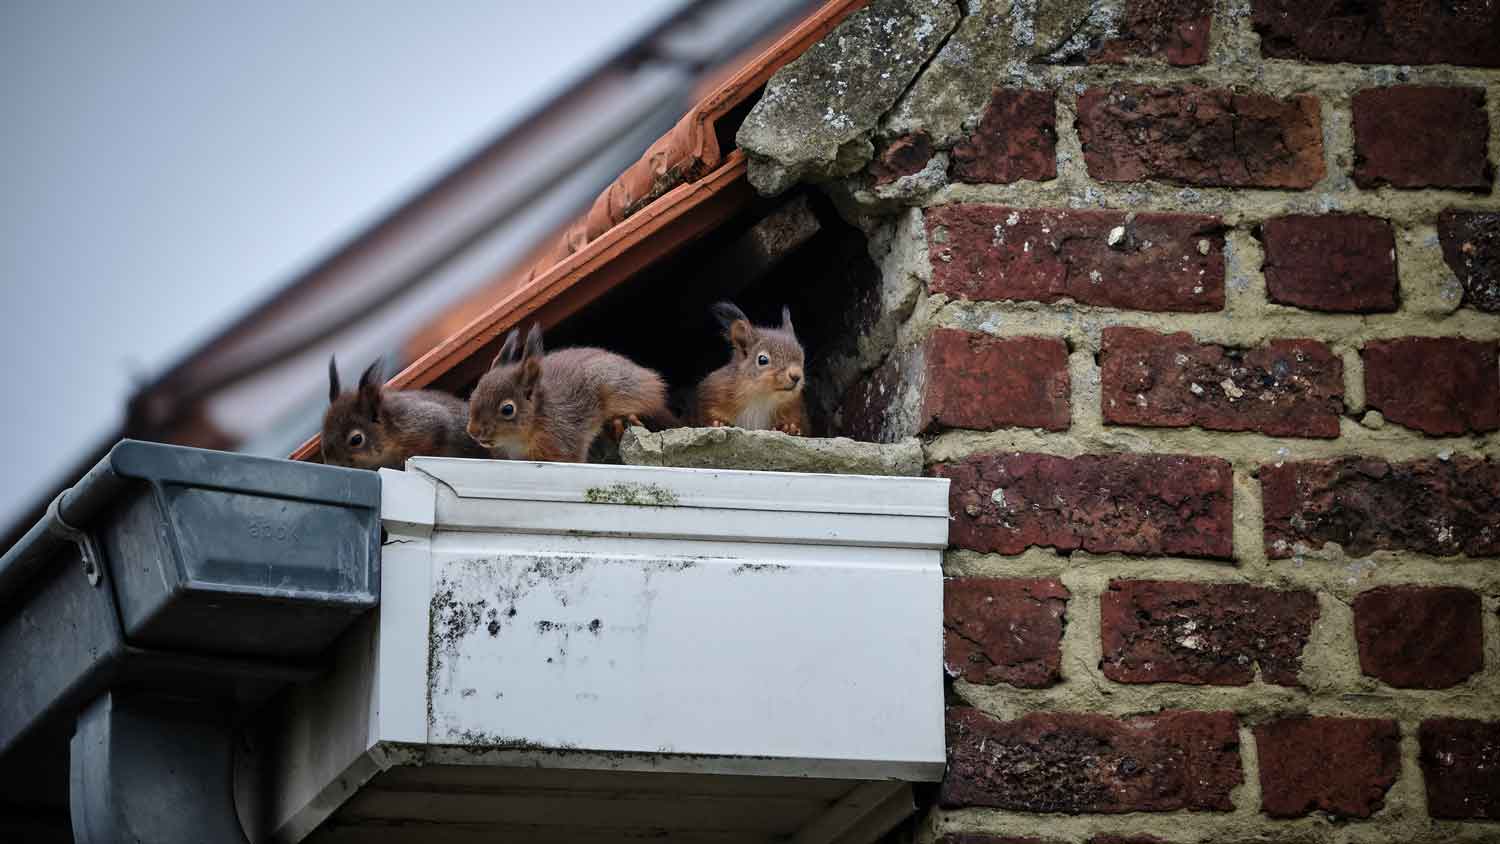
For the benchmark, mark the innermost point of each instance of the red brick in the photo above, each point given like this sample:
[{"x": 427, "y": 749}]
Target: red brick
[
  {"x": 1415, "y": 136},
  {"x": 1289, "y": 388},
  {"x": 962, "y": 379},
  {"x": 901, "y": 156},
  {"x": 1201, "y": 136},
  {"x": 1461, "y": 766},
  {"x": 1160, "y": 262},
  {"x": 1471, "y": 246},
  {"x": 1203, "y": 633},
  {"x": 1416, "y": 637},
  {"x": 1004, "y": 631},
  {"x": 1342, "y": 766},
  {"x": 1175, "y": 31},
  {"x": 1364, "y": 504},
  {"x": 1445, "y": 386},
  {"x": 885, "y": 406},
  {"x": 1465, "y": 32},
  {"x": 1072, "y": 763},
  {"x": 1341, "y": 263},
  {"x": 977, "y": 381},
  {"x": 1016, "y": 139},
  {"x": 1149, "y": 504}
]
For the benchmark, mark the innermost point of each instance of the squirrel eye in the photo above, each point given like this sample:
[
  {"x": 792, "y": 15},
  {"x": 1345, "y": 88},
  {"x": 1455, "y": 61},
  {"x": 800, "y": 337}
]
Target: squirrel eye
[
  {"x": 764, "y": 359},
  {"x": 508, "y": 410},
  {"x": 356, "y": 439}
]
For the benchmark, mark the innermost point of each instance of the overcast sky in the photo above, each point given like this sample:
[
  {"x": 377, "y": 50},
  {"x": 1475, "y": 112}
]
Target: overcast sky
[{"x": 165, "y": 164}]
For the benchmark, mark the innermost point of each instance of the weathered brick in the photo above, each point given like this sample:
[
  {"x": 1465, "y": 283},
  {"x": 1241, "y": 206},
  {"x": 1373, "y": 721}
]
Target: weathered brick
[
  {"x": 1461, "y": 767},
  {"x": 1288, "y": 388},
  {"x": 1471, "y": 246},
  {"x": 1418, "y": 637},
  {"x": 1416, "y": 136},
  {"x": 1016, "y": 139},
  {"x": 1203, "y": 633},
  {"x": 963, "y": 379},
  {"x": 1440, "y": 507},
  {"x": 1445, "y": 386},
  {"x": 1157, "y": 262},
  {"x": 1342, "y": 766},
  {"x": 1341, "y": 263},
  {"x": 1465, "y": 32},
  {"x": 1201, "y": 136},
  {"x": 1004, "y": 631},
  {"x": 1067, "y": 762},
  {"x": 1150, "y": 504},
  {"x": 982, "y": 382},
  {"x": 901, "y": 156},
  {"x": 1175, "y": 31},
  {"x": 886, "y": 405}
]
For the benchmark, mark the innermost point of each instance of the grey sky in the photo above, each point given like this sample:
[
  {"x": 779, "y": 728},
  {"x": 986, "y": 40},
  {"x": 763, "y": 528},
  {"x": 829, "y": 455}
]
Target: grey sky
[{"x": 164, "y": 164}]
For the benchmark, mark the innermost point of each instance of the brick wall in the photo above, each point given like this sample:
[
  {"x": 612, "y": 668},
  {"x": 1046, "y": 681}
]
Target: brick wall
[{"x": 1206, "y": 341}]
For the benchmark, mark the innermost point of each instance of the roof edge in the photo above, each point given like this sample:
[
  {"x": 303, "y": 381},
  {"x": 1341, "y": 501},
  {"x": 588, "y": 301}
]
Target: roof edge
[{"x": 684, "y": 171}]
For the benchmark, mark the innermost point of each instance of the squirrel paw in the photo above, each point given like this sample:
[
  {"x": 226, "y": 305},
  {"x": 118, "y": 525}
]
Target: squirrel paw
[
  {"x": 714, "y": 423},
  {"x": 617, "y": 428},
  {"x": 790, "y": 428}
]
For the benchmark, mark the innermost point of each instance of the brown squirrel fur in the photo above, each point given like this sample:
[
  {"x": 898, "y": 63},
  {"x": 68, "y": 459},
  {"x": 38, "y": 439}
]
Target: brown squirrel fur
[
  {"x": 761, "y": 386},
  {"x": 373, "y": 427},
  {"x": 537, "y": 406}
]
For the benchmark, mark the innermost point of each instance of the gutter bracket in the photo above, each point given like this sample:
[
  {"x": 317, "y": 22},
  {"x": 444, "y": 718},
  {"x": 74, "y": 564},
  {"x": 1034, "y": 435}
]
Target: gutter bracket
[{"x": 88, "y": 549}]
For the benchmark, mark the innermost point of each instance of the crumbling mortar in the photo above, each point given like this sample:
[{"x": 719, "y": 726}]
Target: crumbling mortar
[
  {"x": 1331, "y": 576},
  {"x": 1354, "y": 376},
  {"x": 1083, "y": 325},
  {"x": 1245, "y": 450},
  {"x": 1207, "y": 828}
]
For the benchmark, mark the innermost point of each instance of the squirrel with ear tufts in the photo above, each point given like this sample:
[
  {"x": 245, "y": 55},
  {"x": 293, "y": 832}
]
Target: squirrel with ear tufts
[
  {"x": 761, "y": 386},
  {"x": 373, "y": 428},
  {"x": 537, "y": 406}
]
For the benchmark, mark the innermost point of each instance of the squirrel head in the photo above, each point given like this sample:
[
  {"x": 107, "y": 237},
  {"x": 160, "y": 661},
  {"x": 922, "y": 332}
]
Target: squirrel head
[
  {"x": 768, "y": 361},
  {"x": 505, "y": 402},
  {"x": 355, "y": 427}
]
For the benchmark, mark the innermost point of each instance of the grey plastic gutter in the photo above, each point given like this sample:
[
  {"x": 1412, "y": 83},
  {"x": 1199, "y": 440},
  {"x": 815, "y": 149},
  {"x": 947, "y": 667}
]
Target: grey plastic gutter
[{"x": 156, "y": 605}]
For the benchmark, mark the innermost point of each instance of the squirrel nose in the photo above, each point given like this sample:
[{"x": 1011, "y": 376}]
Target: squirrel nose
[{"x": 794, "y": 375}]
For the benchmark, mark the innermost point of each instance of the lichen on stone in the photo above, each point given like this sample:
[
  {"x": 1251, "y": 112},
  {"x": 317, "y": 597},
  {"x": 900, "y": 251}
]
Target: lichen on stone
[
  {"x": 815, "y": 120},
  {"x": 734, "y": 448}
]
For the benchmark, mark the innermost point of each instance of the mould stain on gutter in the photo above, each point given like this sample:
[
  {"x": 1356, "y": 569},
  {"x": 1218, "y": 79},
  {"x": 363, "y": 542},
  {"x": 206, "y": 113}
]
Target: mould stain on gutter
[
  {"x": 758, "y": 568},
  {"x": 636, "y": 494}
]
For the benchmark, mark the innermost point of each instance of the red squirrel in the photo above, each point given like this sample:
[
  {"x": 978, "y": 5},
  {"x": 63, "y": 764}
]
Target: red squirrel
[
  {"x": 761, "y": 386},
  {"x": 373, "y": 427},
  {"x": 537, "y": 406}
]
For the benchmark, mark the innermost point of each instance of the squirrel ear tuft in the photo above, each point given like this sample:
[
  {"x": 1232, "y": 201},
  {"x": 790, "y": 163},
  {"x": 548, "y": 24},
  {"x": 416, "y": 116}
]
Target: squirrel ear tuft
[
  {"x": 371, "y": 376},
  {"x": 737, "y": 327},
  {"x": 728, "y": 314},
  {"x": 786, "y": 320},
  {"x": 369, "y": 390},
  {"x": 534, "y": 342},
  {"x": 333, "y": 379},
  {"x": 510, "y": 350}
]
